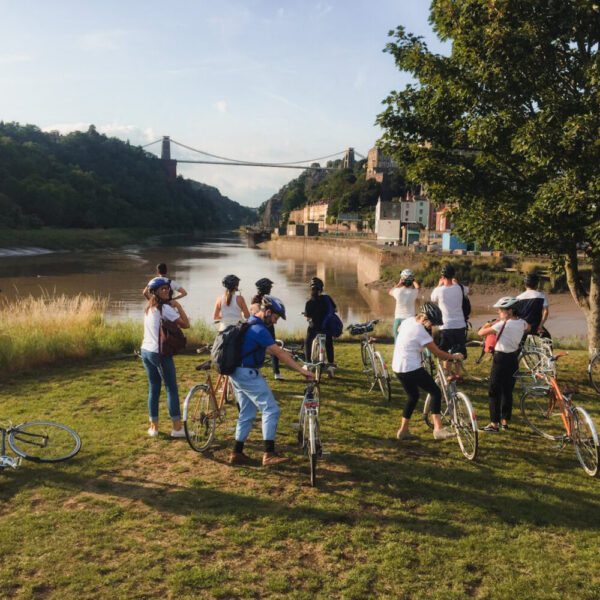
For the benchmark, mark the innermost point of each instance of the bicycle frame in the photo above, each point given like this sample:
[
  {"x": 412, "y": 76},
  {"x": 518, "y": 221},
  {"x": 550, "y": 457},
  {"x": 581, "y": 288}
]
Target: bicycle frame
[{"x": 5, "y": 460}]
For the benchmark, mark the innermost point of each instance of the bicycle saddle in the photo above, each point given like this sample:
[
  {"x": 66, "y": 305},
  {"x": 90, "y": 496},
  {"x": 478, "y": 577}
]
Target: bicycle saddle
[{"x": 205, "y": 366}]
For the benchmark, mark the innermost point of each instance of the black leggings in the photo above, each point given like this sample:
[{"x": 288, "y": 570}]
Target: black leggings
[
  {"x": 502, "y": 383},
  {"x": 412, "y": 381},
  {"x": 311, "y": 334}
]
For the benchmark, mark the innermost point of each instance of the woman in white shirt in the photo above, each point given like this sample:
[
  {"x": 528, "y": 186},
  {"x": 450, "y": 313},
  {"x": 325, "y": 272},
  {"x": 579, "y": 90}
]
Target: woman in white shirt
[
  {"x": 230, "y": 308},
  {"x": 405, "y": 293},
  {"x": 161, "y": 368},
  {"x": 414, "y": 335},
  {"x": 509, "y": 331}
]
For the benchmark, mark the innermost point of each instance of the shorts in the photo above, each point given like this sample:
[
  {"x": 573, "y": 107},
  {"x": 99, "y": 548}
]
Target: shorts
[{"x": 454, "y": 340}]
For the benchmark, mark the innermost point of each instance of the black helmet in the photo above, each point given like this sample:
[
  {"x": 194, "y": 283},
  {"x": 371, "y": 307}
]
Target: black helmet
[
  {"x": 274, "y": 305},
  {"x": 532, "y": 280},
  {"x": 432, "y": 312},
  {"x": 316, "y": 284},
  {"x": 264, "y": 285},
  {"x": 230, "y": 282},
  {"x": 448, "y": 271}
]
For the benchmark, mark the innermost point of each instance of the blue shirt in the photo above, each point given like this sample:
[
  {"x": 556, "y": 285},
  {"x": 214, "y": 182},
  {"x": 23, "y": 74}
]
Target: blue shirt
[{"x": 256, "y": 340}]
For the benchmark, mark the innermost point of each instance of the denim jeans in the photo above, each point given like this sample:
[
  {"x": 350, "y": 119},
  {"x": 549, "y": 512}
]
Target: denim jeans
[
  {"x": 161, "y": 369},
  {"x": 254, "y": 394}
]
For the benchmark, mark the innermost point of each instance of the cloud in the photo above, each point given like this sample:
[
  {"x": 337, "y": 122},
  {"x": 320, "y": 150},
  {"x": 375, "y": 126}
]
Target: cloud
[
  {"x": 7, "y": 59},
  {"x": 221, "y": 106},
  {"x": 103, "y": 41},
  {"x": 322, "y": 10}
]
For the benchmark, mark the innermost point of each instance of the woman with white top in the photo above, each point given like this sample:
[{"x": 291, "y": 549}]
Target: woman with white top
[
  {"x": 509, "y": 331},
  {"x": 405, "y": 293},
  {"x": 230, "y": 308},
  {"x": 414, "y": 335},
  {"x": 161, "y": 368}
]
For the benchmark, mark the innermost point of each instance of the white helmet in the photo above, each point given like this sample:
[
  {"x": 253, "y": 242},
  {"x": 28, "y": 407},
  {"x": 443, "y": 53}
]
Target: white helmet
[
  {"x": 506, "y": 302},
  {"x": 407, "y": 275}
]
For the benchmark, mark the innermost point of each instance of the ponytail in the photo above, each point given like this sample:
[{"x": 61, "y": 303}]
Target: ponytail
[{"x": 228, "y": 296}]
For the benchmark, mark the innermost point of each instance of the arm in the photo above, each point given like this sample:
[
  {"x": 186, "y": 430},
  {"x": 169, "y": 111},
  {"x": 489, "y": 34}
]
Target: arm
[
  {"x": 416, "y": 285},
  {"x": 182, "y": 293},
  {"x": 217, "y": 313},
  {"x": 242, "y": 304},
  {"x": 146, "y": 293},
  {"x": 286, "y": 358},
  {"x": 432, "y": 347},
  {"x": 183, "y": 320},
  {"x": 545, "y": 313}
]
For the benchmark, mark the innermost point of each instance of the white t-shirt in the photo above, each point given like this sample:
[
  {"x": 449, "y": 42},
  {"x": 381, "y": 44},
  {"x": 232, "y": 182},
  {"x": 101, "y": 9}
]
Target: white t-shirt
[
  {"x": 405, "y": 301},
  {"x": 152, "y": 326},
  {"x": 449, "y": 299},
  {"x": 531, "y": 294},
  {"x": 175, "y": 286},
  {"x": 511, "y": 335},
  {"x": 412, "y": 337}
]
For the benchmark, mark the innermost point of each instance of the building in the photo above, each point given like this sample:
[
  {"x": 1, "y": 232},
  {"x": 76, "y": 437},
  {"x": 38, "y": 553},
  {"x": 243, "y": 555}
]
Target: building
[
  {"x": 388, "y": 223},
  {"x": 378, "y": 165},
  {"x": 311, "y": 213}
]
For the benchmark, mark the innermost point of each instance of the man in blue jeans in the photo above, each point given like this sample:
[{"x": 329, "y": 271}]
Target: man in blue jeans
[{"x": 250, "y": 387}]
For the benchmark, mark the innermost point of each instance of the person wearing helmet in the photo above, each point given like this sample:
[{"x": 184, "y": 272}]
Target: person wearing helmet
[
  {"x": 230, "y": 308},
  {"x": 251, "y": 389},
  {"x": 414, "y": 335},
  {"x": 161, "y": 368},
  {"x": 405, "y": 293},
  {"x": 161, "y": 271},
  {"x": 533, "y": 306},
  {"x": 318, "y": 306},
  {"x": 509, "y": 331},
  {"x": 263, "y": 288},
  {"x": 449, "y": 297}
]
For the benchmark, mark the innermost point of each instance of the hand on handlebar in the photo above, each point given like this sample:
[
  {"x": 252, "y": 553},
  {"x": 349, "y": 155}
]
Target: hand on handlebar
[{"x": 457, "y": 356}]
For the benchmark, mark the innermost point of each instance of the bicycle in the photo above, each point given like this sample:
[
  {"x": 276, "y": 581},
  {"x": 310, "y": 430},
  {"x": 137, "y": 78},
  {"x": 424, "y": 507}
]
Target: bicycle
[
  {"x": 457, "y": 413},
  {"x": 38, "y": 441},
  {"x": 374, "y": 366},
  {"x": 205, "y": 407},
  {"x": 594, "y": 370},
  {"x": 317, "y": 354},
  {"x": 550, "y": 412}
]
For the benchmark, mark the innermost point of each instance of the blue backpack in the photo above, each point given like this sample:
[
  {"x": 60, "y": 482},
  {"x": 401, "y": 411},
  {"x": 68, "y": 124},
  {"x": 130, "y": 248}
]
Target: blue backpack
[{"x": 332, "y": 324}]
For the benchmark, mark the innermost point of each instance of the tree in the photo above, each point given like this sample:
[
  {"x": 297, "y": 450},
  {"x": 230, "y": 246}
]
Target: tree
[{"x": 506, "y": 128}]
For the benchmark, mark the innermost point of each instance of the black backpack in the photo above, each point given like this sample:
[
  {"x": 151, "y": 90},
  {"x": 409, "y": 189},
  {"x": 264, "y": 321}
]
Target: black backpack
[
  {"x": 466, "y": 305},
  {"x": 226, "y": 353}
]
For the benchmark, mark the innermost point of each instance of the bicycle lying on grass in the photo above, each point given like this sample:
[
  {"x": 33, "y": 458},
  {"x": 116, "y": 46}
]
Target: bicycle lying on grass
[
  {"x": 374, "y": 366},
  {"x": 38, "y": 441},
  {"x": 550, "y": 412},
  {"x": 457, "y": 413}
]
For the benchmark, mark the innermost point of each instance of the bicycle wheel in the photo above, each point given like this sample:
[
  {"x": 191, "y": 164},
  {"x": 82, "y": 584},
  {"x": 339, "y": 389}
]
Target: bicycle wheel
[
  {"x": 199, "y": 417},
  {"x": 594, "y": 372},
  {"x": 477, "y": 364},
  {"x": 445, "y": 414},
  {"x": 314, "y": 446},
  {"x": 44, "y": 441},
  {"x": 465, "y": 425},
  {"x": 540, "y": 412},
  {"x": 368, "y": 363},
  {"x": 427, "y": 362},
  {"x": 531, "y": 361},
  {"x": 316, "y": 355},
  {"x": 585, "y": 440},
  {"x": 383, "y": 378}
]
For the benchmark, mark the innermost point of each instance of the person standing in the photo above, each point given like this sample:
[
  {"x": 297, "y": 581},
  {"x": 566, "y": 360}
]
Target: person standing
[
  {"x": 414, "y": 335},
  {"x": 251, "y": 389},
  {"x": 405, "y": 292},
  {"x": 161, "y": 271},
  {"x": 533, "y": 306},
  {"x": 317, "y": 308},
  {"x": 230, "y": 308},
  {"x": 449, "y": 297},
  {"x": 161, "y": 368},
  {"x": 509, "y": 331}
]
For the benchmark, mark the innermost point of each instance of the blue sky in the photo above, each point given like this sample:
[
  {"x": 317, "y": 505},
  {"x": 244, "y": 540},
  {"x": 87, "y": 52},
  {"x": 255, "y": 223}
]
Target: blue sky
[{"x": 255, "y": 80}]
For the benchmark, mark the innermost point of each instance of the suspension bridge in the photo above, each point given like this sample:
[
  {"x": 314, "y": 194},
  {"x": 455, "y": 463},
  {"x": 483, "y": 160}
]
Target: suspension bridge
[{"x": 214, "y": 159}]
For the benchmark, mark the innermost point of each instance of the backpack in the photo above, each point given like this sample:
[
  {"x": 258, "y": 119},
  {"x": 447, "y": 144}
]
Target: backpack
[
  {"x": 332, "y": 324},
  {"x": 226, "y": 353},
  {"x": 171, "y": 340},
  {"x": 466, "y": 305}
]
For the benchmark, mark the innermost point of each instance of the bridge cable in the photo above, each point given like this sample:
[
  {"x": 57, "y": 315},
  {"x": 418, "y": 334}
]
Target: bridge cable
[{"x": 150, "y": 144}]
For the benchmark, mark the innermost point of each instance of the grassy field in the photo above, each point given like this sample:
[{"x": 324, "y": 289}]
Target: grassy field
[{"x": 135, "y": 517}]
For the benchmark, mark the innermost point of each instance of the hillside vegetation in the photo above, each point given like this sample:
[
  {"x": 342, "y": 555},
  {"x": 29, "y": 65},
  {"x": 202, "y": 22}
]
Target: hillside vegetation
[{"x": 88, "y": 180}]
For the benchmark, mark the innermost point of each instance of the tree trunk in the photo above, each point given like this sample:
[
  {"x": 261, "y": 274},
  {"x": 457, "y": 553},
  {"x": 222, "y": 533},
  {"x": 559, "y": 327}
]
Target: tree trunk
[{"x": 588, "y": 301}]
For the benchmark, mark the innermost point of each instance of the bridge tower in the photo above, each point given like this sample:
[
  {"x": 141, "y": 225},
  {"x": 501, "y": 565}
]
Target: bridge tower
[
  {"x": 348, "y": 159},
  {"x": 165, "y": 156}
]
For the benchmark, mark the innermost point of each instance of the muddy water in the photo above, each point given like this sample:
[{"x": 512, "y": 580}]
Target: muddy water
[{"x": 199, "y": 266}]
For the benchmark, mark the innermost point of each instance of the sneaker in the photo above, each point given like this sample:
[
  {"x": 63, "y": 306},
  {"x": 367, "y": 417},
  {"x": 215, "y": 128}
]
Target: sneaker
[
  {"x": 443, "y": 434},
  {"x": 491, "y": 429},
  {"x": 239, "y": 458},
  {"x": 278, "y": 376},
  {"x": 178, "y": 433},
  {"x": 330, "y": 372},
  {"x": 405, "y": 435},
  {"x": 272, "y": 458},
  {"x": 152, "y": 432}
]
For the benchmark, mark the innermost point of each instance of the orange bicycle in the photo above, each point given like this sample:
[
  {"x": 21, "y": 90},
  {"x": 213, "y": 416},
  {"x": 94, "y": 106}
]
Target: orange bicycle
[
  {"x": 205, "y": 407},
  {"x": 550, "y": 412}
]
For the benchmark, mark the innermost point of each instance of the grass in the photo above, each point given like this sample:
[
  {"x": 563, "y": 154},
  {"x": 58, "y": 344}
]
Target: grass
[{"x": 135, "y": 517}]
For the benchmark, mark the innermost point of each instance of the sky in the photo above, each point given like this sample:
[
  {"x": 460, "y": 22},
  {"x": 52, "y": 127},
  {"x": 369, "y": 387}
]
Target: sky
[{"x": 257, "y": 80}]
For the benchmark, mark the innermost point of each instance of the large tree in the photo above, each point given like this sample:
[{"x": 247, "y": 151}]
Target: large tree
[{"x": 507, "y": 128}]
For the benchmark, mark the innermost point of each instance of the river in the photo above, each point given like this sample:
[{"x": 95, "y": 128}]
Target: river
[{"x": 200, "y": 264}]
